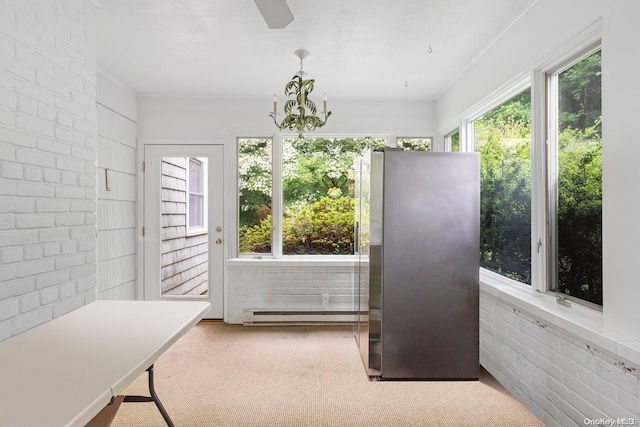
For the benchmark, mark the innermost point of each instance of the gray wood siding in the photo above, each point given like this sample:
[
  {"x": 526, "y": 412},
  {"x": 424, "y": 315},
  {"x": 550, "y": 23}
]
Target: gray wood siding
[{"x": 184, "y": 258}]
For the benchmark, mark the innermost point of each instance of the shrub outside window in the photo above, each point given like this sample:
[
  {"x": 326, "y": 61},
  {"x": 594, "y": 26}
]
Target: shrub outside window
[
  {"x": 576, "y": 179},
  {"x": 255, "y": 195},
  {"x": 317, "y": 188},
  {"x": 415, "y": 144},
  {"x": 502, "y": 136}
]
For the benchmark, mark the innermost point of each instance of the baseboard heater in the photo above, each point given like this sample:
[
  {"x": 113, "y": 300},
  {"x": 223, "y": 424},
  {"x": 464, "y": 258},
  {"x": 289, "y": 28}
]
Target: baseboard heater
[{"x": 298, "y": 317}]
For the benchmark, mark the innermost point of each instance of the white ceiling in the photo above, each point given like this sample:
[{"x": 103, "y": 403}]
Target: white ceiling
[{"x": 359, "y": 48}]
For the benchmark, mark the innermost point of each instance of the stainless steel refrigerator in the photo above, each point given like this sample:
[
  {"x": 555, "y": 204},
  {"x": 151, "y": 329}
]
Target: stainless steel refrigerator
[{"x": 417, "y": 296}]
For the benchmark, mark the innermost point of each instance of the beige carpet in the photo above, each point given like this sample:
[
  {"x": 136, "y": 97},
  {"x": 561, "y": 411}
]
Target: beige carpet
[{"x": 234, "y": 376}]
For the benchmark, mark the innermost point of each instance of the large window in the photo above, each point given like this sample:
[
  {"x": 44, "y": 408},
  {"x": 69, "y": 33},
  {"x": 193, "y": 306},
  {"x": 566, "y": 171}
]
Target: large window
[
  {"x": 317, "y": 187},
  {"x": 502, "y": 136},
  {"x": 563, "y": 172},
  {"x": 575, "y": 176}
]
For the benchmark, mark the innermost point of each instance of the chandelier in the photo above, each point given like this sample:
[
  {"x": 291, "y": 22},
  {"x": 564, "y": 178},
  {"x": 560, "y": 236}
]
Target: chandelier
[{"x": 300, "y": 111}]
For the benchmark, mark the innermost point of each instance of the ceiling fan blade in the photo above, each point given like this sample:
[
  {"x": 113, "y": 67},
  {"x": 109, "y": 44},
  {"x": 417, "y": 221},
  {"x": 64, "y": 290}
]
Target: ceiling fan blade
[{"x": 276, "y": 13}]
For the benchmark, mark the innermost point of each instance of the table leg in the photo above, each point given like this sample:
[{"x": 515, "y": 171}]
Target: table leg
[{"x": 153, "y": 398}]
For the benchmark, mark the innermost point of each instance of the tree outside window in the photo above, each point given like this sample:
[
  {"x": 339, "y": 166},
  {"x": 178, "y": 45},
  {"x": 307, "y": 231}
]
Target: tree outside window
[
  {"x": 317, "y": 196},
  {"x": 578, "y": 207},
  {"x": 255, "y": 195},
  {"x": 415, "y": 144},
  {"x": 503, "y": 138}
]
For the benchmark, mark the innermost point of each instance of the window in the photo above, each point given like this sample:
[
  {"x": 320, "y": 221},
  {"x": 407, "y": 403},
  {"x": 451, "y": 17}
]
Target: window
[
  {"x": 255, "y": 195},
  {"x": 197, "y": 206},
  {"x": 502, "y": 136},
  {"x": 415, "y": 144},
  {"x": 452, "y": 141},
  {"x": 317, "y": 188},
  {"x": 575, "y": 177}
]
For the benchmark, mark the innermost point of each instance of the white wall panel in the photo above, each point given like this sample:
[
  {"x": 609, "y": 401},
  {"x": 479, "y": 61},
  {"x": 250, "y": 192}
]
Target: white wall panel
[
  {"x": 116, "y": 97},
  {"x": 202, "y": 118},
  {"x": 116, "y": 108},
  {"x": 621, "y": 174},
  {"x": 117, "y": 156},
  {"x": 114, "y": 126},
  {"x": 123, "y": 186},
  {"x": 115, "y": 243},
  {"x": 115, "y": 214},
  {"x": 117, "y": 271}
]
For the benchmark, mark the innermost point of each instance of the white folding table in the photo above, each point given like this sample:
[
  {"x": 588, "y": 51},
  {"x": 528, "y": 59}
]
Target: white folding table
[{"x": 64, "y": 372}]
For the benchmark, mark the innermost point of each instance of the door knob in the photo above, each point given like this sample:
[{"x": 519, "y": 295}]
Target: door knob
[
  {"x": 218, "y": 229},
  {"x": 218, "y": 241}
]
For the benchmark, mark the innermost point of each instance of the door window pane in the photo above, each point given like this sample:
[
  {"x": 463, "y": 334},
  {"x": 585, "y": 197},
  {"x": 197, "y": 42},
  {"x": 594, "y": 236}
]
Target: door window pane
[
  {"x": 503, "y": 138},
  {"x": 196, "y": 184},
  {"x": 184, "y": 256}
]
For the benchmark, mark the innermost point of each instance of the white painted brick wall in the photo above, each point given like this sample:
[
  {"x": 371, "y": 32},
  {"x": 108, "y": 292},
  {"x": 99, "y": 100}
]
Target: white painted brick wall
[
  {"x": 272, "y": 286},
  {"x": 47, "y": 124},
  {"x": 116, "y": 216},
  {"x": 561, "y": 378}
]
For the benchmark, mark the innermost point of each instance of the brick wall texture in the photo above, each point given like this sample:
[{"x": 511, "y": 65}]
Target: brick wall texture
[
  {"x": 47, "y": 160},
  {"x": 561, "y": 378}
]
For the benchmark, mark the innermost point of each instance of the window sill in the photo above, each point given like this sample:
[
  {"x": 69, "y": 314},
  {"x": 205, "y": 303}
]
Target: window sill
[
  {"x": 197, "y": 232},
  {"x": 580, "y": 321},
  {"x": 296, "y": 261}
]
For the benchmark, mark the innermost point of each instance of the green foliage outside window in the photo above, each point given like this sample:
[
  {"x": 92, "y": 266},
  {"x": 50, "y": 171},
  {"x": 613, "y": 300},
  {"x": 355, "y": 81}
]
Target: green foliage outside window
[
  {"x": 254, "y": 187},
  {"x": 579, "y": 210},
  {"x": 318, "y": 198},
  {"x": 415, "y": 144},
  {"x": 503, "y": 139},
  {"x": 318, "y": 188}
]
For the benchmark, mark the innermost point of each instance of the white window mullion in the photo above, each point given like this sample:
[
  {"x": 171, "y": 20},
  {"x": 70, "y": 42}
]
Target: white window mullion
[
  {"x": 276, "y": 202},
  {"x": 466, "y": 136},
  {"x": 552, "y": 179},
  {"x": 540, "y": 243}
]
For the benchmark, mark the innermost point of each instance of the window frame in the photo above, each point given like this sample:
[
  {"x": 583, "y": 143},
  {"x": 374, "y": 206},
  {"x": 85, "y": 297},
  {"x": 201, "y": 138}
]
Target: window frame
[
  {"x": 588, "y": 43},
  {"x": 192, "y": 231},
  {"x": 448, "y": 141},
  {"x": 275, "y": 199},
  {"x": 551, "y": 114},
  {"x": 277, "y": 142},
  {"x": 467, "y": 144}
]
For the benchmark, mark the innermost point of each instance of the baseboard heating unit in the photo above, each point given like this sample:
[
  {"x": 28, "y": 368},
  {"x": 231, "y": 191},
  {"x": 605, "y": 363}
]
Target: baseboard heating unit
[{"x": 297, "y": 317}]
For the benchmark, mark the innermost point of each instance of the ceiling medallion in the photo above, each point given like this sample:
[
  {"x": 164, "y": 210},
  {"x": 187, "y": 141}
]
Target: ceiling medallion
[{"x": 300, "y": 111}]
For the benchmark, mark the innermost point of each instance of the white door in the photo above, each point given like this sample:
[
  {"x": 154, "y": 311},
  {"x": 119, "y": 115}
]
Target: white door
[{"x": 183, "y": 224}]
